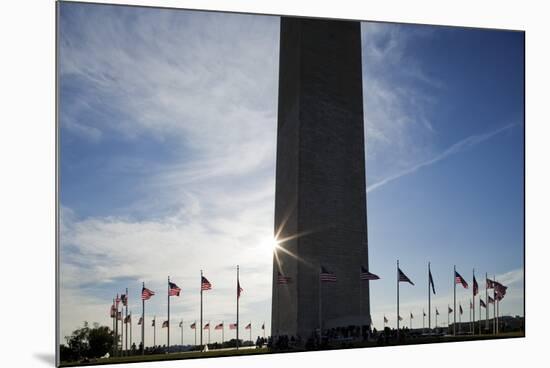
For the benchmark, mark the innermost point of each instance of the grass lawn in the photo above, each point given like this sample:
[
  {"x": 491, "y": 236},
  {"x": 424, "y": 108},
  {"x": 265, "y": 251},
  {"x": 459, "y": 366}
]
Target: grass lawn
[{"x": 234, "y": 352}]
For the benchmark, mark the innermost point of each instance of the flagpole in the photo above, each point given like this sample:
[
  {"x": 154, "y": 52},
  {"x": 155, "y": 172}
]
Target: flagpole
[
  {"x": 474, "y": 281},
  {"x": 116, "y": 326},
  {"x": 142, "y": 321},
  {"x": 201, "y": 313},
  {"x": 479, "y": 318},
  {"x": 486, "y": 302},
  {"x": 495, "y": 304},
  {"x": 494, "y": 307},
  {"x": 114, "y": 333},
  {"x": 471, "y": 309},
  {"x": 454, "y": 310},
  {"x": 320, "y": 310},
  {"x": 398, "y": 299},
  {"x": 459, "y": 319},
  {"x": 429, "y": 300},
  {"x": 182, "y": 332},
  {"x": 130, "y": 330},
  {"x": 126, "y": 321},
  {"x": 168, "y": 327},
  {"x": 423, "y": 321},
  {"x": 448, "y": 319},
  {"x": 238, "y": 285},
  {"x": 121, "y": 352}
]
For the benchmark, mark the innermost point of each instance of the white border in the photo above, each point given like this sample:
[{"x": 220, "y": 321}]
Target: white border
[{"x": 27, "y": 201}]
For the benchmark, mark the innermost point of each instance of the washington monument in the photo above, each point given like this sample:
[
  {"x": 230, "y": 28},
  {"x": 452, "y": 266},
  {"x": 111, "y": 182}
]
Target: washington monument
[{"x": 320, "y": 196}]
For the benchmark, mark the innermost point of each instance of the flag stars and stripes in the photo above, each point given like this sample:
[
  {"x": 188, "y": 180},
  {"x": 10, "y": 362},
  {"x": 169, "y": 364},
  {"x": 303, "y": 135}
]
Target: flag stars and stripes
[
  {"x": 282, "y": 280},
  {"x": 173, "y": 289},
  {"x": 403, "y": 278},
  {"x": 205, "y": 284},
  {"x": 366, "y": 275},
  {"x": 146, "y": 294},
  {"x": 460, "y": 280},
  {"x": 326, "y": 276},
  {"x": 239, "y": 289}
]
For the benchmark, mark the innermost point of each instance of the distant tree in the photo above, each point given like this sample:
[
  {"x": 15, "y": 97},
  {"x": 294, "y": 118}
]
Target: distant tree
[
  {"x": 100, "y": 339},
  {"x": 87, "y": 342}
]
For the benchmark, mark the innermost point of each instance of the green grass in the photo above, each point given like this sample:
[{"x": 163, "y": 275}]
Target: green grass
[
  {"x": 241, "y": 352},
  {"x": 171, "y": 356}
]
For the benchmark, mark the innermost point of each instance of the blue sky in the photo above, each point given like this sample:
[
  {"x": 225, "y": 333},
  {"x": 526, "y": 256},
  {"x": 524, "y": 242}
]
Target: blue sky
[{"x": 168, "y": 126}]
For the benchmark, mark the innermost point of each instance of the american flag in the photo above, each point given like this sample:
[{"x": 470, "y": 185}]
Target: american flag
[
  {"x": 490, "y": 300},
  {"x": 450, "y": 310},
  {"x": 476, "y": 286},
  {"x": 140, "y": 321},
  {"x": 423, "y": 313},
  {"x": 181, "y": 324},
  {"x": 460, "y": 309},
  {"x": 173, "y": 289},
  {"x": 489, "y": 283},
  {"x": 219, "y": 327},
  {"x": 207, "y": 326},
  {"x": 431, "y": 280},
  {"x": 117, "y": 300},
  {"x": 248, "y": 326},
  {"x": 366, "y": 275},
  {"x": 205, "y": 284},
  {"x": 482, "y": 303},
  {"x": 239, "y": 289},
  {"x": 326, "y": 276},
  {"x": 412, "y": 317},
  {"x": 113, "y": 311},
  {"x": 153, "y": 322},
  {"x": 164, "y": 324},
  {"x": 282, "y": 280},
  {"x": 124, "y": 299},
  {"x": 263, "y": 326},
  {"x": 400, "y": 318},
  {"x": 500, "y": 290},
  {"x": 385, "y": 319},
  {"x": 127, "y": 319},
  {"x": 402, "y": 277},
  {"x": 232, "y": 326},
  {"x": 146, "y": 294},
  {"x": 193, "y": 325},
  {"x": 436, "y": 312},
  {"x": 460, "y": 280}
]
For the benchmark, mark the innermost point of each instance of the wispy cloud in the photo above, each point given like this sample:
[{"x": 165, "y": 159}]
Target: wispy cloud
[
  {"x": 458, "y": 147},
  {"x": 399, "y": 95},
  {"x": 203, "y": 87}
]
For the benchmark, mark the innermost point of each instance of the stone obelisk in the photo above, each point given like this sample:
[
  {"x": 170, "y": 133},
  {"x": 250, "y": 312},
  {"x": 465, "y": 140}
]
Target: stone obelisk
[{"x": 320, "y": 200}]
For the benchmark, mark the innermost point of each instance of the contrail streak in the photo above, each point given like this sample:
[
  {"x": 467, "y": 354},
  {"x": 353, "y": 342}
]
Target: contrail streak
[{"x": 458, "y": 147}]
